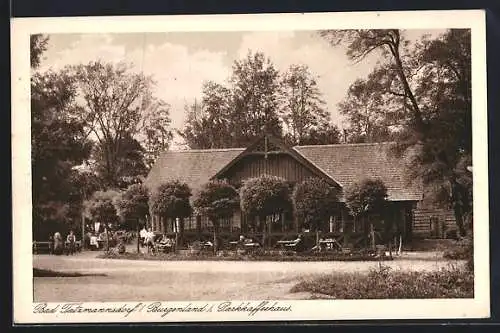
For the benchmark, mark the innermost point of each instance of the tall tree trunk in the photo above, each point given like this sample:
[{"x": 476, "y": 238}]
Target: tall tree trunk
[
  {"x": 214, "y": 223},
  {"x": 458, "y": 210},
  {"x": 262, "y": 222},
  {"x": 138, "y": 236},
  {"x": 459, "y": 219},
  {"x": 417, "y": 115}
]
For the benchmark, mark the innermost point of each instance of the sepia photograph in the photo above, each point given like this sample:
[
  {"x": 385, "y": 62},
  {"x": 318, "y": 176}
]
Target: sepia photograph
[{"x": 252, "y": 170}]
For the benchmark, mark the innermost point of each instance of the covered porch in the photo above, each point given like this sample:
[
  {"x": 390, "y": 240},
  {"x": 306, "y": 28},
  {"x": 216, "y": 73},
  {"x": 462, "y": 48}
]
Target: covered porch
[{"x": 344, "y": 228}]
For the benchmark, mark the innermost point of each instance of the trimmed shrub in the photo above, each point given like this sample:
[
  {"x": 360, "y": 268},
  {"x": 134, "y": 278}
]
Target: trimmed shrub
[
  {"x": 314, "y": 202},
  {"x": 265, "y": 195},
  {"x": 171, "y": 200},
  {"x": 217, "y": 199}
]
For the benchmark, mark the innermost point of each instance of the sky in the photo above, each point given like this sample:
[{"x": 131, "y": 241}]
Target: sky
[{"x": 181, "y": 61}]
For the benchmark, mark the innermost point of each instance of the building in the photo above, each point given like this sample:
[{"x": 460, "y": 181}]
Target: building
[{"x": 341, "y": 165}]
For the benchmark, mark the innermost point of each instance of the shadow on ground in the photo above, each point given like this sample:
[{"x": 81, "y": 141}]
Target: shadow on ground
[{"x": 37, "y": 272}]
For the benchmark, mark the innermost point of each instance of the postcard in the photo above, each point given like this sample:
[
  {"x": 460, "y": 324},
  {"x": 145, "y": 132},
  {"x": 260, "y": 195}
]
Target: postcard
[{"x": 264, "y": 167}]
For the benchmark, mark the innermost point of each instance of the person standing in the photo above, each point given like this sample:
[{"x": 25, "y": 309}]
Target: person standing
[
  {"x": 58, "y": 244},
  {"x": 71, "y": 240},
  {"x": 142, "y": 234}
]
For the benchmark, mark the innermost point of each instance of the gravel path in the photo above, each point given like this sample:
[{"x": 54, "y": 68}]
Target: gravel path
[{"x": 140, "y": 280}]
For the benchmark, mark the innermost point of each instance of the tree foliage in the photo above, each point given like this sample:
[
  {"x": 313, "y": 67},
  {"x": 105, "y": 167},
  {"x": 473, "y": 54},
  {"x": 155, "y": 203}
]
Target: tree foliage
[
  {"x": 256, "y": 93},
  {"x": 371, "y": 113},
  {"x": 171, "y": 200},
  {"x": 208, "y": 123},
  {"x": 366, "y": 197},
  {"x": 38, "y": 45},
  {"x": 305, "y": 117},
  {"x": 314, "y": 201},
  {"x": 431, "y": 80},
  {"x": 217, "y": 199},
  {"x": 118, "y": 109},
  {"x": 133, "y": 203},
  {"x": 259, "y": 99},
  {"x": 100, "y": 207},
  {"x": 58, "y": 144},
  {"x": 265, "y": 195},
  {"x": 392, "y": 45}
]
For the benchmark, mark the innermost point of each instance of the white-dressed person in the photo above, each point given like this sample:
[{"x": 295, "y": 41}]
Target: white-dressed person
[
  {"x": 150, "y": 239},
  {"x": 142, "y": 235}
]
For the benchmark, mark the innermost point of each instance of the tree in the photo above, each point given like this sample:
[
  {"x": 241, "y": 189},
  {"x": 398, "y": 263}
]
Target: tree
[
  {"x": 233, "y": 115},
  {"x": 209, "y": 123},
  {"x": 392, "y": 46},
  {"x": 264, "y": 196},
  {"x": 38, "y": 45},
  {"x": 133, "y": 204},
  {"x": 130, "y": 163},
  {"x": 314, "y": 202},
  {"x": 171, "y": 201},
  {"x": 328, "y": 134},
  {"x": 366, "y": 198},
  {"x": 256, "y": 91},
  {"x": 369, "y": 112},
  {"x": 100, "y": 208},
  {"x": 432, "y": 81},
  {"x": 216, "y": 200},
  {"x": 446, "y": 152},
  {"x": 155, "y": 132},
  {"x": 58, "y": 144},
  {"x": 304, "y": 110},
  {"x": 117, "y": 105}
]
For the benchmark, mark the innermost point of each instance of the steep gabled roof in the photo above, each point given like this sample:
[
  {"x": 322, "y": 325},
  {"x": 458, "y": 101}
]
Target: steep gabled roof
[
  {"x": 351, "y": 163},
  {"x": 344, "y": 163},
  {"x": 194, "y": 167},
  {"x": 278, "y": 144}
]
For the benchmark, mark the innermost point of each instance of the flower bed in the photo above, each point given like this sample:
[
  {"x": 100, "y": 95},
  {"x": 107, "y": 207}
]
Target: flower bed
[{"x": 258, "y": 256}]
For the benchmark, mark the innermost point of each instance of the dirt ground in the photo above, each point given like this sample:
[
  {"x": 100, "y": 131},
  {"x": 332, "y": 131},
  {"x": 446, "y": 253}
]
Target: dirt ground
[{"x": 138, "y": 280}]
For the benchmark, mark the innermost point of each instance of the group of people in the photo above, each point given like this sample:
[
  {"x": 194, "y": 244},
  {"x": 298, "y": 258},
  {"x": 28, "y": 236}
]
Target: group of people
[
  {"x": 149, "y": 240},
  {"x": 58, "y": 246}
]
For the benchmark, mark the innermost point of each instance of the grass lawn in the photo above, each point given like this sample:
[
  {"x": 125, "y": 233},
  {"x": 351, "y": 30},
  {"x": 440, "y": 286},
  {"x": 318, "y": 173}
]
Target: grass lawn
[{"x": 385, "y": 283}]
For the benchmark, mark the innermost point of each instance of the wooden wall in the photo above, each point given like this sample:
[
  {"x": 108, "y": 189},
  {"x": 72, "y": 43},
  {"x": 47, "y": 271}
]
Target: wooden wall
[
  {"x": 281, "y": 165},
  {"x": 434, "y": 223}
]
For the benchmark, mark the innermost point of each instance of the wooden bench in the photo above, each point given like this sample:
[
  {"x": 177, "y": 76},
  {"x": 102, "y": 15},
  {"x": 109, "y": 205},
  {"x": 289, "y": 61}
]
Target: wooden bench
[{"x": 42, "y": 247}]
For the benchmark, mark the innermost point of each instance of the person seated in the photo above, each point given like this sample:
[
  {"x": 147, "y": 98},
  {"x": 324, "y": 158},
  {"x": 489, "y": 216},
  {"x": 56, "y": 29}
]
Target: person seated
[
  {"x": 297, "y": 243},
  {"x": 164, "y": 243},
  {"x": 163, "y": 239},
  {"x": 94, "y": 242},
  {"x": 241, "y": 240}
]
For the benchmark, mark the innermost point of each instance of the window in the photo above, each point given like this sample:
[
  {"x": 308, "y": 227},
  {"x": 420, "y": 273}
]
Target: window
[{"x": 225, "y": 224}]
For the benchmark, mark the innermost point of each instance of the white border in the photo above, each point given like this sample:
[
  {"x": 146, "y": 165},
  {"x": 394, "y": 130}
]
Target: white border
[{"x": 21, "y": 28}]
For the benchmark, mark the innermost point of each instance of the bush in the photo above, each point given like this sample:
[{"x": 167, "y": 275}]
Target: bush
[
  {"x": 464, "y": 250},
  {"x": 314, "y": 201},
  {"x": 217, "y": 199},
  {"x": 171, "y": 200},
  {"x": 383, "y": 283},
  {"x": 265, "y": 195}
]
